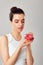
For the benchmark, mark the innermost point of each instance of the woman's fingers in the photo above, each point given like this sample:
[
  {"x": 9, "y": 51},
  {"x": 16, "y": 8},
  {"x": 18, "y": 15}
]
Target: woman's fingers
[{"x": 26, "y": 42}]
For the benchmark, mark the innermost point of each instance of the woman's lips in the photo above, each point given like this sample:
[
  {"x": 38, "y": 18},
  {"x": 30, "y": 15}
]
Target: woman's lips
[{"x": 20, "y": 28}]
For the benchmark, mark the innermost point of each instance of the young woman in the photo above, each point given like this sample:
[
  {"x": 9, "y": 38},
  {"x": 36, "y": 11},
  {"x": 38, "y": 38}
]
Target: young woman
[{"x": 14, "y": 51}]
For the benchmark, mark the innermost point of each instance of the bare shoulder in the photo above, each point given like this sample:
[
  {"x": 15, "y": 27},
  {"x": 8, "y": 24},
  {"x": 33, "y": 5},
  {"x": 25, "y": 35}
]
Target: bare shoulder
[{"x": 3, "y": 39}]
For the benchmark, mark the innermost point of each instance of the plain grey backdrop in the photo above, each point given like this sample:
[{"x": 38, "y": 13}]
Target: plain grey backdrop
[{"x": 34, "y": 23}]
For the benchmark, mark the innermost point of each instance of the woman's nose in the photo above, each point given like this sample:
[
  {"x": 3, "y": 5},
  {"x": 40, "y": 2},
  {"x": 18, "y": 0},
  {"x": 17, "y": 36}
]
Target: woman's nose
[{"x": 20, "y": 23}]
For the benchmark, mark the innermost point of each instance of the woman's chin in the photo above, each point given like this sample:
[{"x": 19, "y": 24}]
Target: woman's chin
[{"x": 20, "y": 30}]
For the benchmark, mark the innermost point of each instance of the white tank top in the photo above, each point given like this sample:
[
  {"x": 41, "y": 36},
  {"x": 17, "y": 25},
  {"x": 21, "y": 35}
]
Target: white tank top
[{"x": 12, "y": 46}]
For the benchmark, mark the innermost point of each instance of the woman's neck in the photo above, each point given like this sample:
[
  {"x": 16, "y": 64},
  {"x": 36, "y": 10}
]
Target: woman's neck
[{"x": 16, "y": 35}]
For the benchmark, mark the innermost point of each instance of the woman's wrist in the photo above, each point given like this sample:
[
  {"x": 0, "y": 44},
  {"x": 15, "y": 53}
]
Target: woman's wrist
[
  {"x": 20, "y": 46},
  {"x": 28, "y": 46}
]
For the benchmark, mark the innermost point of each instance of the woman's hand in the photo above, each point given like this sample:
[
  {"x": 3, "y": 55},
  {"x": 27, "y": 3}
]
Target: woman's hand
[
  {"x": 28, "y": 39},
  {"x": 26, "y": 43}
]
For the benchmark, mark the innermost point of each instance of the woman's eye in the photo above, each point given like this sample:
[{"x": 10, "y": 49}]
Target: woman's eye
[
  {"x": 22, "y": 21},
  {"x": 16, "y": 21}
]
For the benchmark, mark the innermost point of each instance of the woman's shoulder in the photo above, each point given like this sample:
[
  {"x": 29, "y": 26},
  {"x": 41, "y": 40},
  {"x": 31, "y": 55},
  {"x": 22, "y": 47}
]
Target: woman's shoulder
[{"x": 3, "y": 39}]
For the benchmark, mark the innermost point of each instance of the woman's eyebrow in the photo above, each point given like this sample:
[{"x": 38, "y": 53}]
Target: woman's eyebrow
[
  {"x": 16, "y": 20},
  {"x": 23, "y": 19}
]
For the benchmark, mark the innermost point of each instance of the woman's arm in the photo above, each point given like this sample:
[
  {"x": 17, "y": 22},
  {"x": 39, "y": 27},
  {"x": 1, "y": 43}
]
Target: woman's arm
[
  {"x": 7, "y": 60},
  {"x": 30, "y": 59}
]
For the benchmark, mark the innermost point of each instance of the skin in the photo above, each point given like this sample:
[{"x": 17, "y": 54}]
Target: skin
[{"x": 17, "y": 25}]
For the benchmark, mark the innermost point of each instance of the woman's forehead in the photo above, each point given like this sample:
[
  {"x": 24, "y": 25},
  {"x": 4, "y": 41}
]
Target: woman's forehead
[{"x": 18, "y": 16}]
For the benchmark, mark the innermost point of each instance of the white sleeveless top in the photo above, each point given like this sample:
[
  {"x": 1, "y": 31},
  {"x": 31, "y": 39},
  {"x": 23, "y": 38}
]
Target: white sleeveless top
[{"x": 12, "y": 46}]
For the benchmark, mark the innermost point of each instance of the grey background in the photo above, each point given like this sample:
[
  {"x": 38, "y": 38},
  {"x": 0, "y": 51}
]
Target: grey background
[{"x": 34, "y": 23}]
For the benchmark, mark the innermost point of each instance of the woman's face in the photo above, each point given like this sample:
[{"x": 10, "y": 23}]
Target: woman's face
[{"x": 18, "y": 22}]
